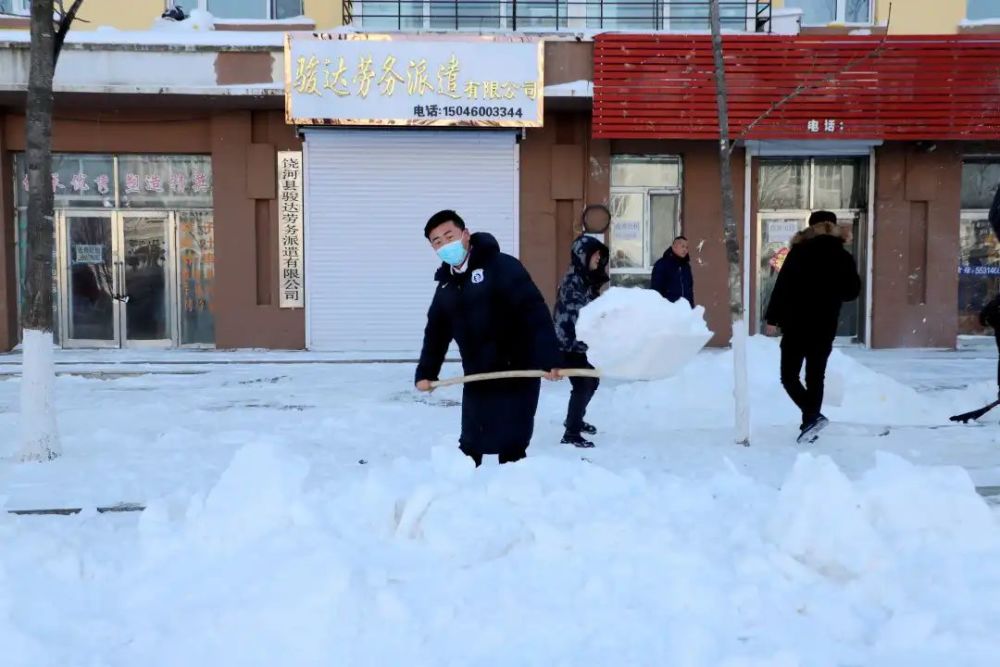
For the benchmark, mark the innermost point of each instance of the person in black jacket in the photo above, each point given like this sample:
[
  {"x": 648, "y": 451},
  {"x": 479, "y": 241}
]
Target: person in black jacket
[
  {"x": 817, "y": 277},
  {"x": 989, "y": 316},
  {"x": 487, "y": 303},
  {"x": 582, "y": 284},
  {"x": 672, "y": 273}
]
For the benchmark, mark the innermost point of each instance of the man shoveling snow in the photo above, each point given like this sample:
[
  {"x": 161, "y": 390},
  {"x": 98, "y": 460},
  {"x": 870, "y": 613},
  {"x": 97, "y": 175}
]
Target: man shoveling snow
[{"x": 487, "y": 303}]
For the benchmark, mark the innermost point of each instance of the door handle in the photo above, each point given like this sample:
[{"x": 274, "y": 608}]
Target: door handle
[{"x": 120, "y": 274}]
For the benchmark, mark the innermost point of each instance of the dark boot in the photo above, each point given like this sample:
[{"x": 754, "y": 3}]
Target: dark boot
[
  {"x": 576, "y": 440},
  {"x": 586, "y": 428},
  {"x": 810, "y": 429}
]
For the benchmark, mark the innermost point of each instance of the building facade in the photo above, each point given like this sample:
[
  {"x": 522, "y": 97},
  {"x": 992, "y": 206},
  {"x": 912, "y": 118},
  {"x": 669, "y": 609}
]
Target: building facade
[{"x": 235, "y": 193}]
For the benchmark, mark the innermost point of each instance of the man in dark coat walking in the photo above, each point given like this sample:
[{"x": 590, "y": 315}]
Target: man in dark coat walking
[
  {"x": 487, "y": 303},
  {"x": 582, "y": 284},
  {"x": 672, "y": 273},
  {"x": 989, "y": 316},
  {"x": 817, "y": 277}
]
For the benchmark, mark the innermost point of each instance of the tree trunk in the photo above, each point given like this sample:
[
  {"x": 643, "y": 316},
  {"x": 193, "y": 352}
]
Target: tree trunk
[
  {"x": 39, "y": 436},
  {"x": 736, "y": 306}
]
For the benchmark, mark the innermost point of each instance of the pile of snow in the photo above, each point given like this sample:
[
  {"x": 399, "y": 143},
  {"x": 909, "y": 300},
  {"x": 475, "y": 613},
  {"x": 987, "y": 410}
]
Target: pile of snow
[
  {"x": 701, "y": 395},
  {"x": 427, "y": 562},
  {"x": 636, "y": 334}
]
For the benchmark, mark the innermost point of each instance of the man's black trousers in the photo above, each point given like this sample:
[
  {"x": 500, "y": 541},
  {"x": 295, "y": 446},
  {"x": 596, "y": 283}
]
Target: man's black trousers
[{"x": 814, "y": 351}]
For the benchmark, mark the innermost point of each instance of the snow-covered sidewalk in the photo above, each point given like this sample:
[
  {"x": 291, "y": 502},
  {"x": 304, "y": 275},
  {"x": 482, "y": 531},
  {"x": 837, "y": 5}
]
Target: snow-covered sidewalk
[{"x": 303, "y": 512}]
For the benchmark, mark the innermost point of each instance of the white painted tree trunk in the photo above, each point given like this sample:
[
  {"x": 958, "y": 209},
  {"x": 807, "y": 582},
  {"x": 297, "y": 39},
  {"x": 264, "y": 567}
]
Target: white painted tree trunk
[
  {"x": 737, "y": 309},
  {"x": 741, "y": 388},
  {"x": 39, "y": 435}
]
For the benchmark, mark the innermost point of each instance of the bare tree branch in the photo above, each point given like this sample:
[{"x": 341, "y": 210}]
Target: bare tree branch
[
  {"x": 809, "y": 87},
  {"x": 66, "y": 18}
]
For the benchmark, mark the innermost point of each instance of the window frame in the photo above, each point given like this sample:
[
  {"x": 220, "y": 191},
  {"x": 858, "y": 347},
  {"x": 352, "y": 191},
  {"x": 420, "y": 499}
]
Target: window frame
[
  {"x": 647, "y": 192},
  {"x": 858, "y": 214},
  {"x": 968, "y": 7},
  {"x": 271, "y": 11},
  {"x": 20, "y": 8},
  {"x": 841, "y": 14}
]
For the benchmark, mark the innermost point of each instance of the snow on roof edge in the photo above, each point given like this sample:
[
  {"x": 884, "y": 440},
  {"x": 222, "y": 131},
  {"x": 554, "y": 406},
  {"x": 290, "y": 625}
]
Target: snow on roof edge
[{"x": 112, "y": 37}]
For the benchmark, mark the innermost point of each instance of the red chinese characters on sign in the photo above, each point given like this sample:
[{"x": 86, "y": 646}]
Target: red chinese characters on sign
[
  {"x": 153, "y": 183},
  {"x": 199, "y": 182},
  {"x": 79, "y": 183},
  {"x": 178, "y": 183},
  {"x": 103, "y": 183},
  {"x": 132, "y": 184}
]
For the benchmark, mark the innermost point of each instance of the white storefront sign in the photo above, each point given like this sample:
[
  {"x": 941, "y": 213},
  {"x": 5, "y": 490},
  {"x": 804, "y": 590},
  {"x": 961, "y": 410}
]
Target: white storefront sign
[
  {"x": 88, "y": 254},
  {"x": 781, "y": 231},
  {"x": 291, "y": 261},
  {"x": 389, "y": 80}
]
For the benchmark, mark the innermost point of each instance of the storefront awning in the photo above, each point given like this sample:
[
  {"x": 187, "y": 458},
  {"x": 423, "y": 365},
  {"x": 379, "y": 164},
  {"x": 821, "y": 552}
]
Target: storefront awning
[{"x": 834, "y": 88}]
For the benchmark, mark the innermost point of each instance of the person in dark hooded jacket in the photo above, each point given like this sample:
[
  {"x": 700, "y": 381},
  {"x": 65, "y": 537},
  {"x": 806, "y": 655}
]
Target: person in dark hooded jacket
[
  {"x": 672, "y": 276},
  {"x": 817, "y": 277},
  {"x": 487, "y": 303},
  {"x": 582, "y": 284}
]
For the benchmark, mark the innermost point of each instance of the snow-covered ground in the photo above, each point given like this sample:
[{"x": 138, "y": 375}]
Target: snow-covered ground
[{"x": 304, "y": 512}]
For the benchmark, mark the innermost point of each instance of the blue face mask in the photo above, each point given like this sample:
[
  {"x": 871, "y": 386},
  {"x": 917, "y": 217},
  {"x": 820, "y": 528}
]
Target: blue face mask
[{"x": 452, "y": 253}]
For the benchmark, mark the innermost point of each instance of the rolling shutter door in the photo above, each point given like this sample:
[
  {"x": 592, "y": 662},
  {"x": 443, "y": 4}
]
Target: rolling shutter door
[{"x": 369, "y": 270}]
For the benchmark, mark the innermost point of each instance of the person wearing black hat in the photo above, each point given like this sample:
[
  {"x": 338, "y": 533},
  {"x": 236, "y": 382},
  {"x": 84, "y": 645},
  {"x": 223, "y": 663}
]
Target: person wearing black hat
[{"x": 817, "y": 277}]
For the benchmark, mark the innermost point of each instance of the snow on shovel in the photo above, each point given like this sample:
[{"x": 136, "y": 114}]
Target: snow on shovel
[{"x": 632, "y": 334}]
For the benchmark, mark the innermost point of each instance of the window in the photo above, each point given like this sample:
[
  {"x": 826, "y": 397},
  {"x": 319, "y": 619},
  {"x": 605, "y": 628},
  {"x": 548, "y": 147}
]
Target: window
[
  {"x": 979, "y": 251},
  {"x": 253, "y": 9},
  {"x": 980, "y": 10},
  {"x": 788, "y": 190},
  {"x": 678, "y": 15},
  {"x": 821, "y": 12},
  {"x": 645, "y": 215},
  {"x": 19, "y": 7}
]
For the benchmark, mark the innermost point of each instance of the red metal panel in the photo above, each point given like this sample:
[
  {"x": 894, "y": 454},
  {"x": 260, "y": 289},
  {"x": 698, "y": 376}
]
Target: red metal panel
[{"x": 856, "y": 87}]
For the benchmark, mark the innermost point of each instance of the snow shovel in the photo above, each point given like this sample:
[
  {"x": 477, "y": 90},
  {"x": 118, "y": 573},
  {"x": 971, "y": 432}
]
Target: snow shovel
[
  {"x": 507, "y": 375},
  {"x": 965, "y": 418},
  {"x": 659, "y": 357}
]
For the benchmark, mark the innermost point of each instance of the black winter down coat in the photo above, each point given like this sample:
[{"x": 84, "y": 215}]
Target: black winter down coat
[
  {"x": 817, "y": 277},
  {"x": 498, "y": 318}
]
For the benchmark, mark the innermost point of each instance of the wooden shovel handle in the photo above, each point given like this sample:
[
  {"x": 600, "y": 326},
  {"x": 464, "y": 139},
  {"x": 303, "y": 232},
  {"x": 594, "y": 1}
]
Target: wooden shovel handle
[{"x": 507, "y": 375}]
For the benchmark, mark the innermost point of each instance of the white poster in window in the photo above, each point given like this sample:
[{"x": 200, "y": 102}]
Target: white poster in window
[
  {"x": 781, "y": 231},
  {"x": 88, "y": 254},
  {"x": 291, "y": 274},
  {"x": 627, "y": 230}
]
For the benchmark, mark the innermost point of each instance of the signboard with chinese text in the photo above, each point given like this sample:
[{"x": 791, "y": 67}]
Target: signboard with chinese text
[
  {"x": 88, "y": 254},
  {"x": 782, "y": 231},
  {"x": 291, "y": 261},
  {"x": 382, "y": 80}
]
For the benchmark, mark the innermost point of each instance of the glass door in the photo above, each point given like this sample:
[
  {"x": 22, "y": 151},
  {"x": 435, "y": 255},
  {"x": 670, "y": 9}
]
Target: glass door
[
  {"x": 775, "y": 231},
  {"x": 146, "y": 276},
  {"x": 90, "y": 298},
  {"x": 116, "y": 279}
]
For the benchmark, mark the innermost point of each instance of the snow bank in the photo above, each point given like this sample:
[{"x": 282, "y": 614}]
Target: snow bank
[
  {"x": 427, "y": 563},
  {"x": 639, "y": 335},
  {"x": 701, "y": 394}
]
